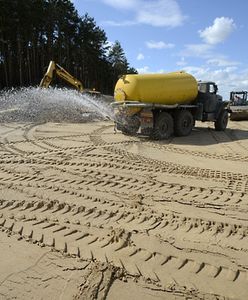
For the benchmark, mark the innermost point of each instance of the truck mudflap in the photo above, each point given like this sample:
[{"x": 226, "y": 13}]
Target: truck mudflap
[
  {"x": 126, "y": 118},
  {"x": 146, "y": 121},
  {"x": 126, "y": 123},
  {"x": 132, "y": 124}
]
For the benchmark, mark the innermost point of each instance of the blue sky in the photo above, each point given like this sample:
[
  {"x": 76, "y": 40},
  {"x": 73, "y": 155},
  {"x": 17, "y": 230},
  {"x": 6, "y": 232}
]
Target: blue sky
[{"x": 206, "y": 38}]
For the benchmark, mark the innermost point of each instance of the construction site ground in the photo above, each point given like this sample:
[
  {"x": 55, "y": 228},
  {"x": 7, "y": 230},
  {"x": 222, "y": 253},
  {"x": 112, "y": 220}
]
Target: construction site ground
[{"x": 87, "y": 213}]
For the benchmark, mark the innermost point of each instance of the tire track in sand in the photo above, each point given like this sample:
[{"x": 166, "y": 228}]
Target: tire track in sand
[
  {"x": 167, "y": 167},
  {"x": 85, "y": 209},
  {"x": 102, "y": 177},
  {"x": 135, "y": 218},
  {"x": 129, "y": 250}
]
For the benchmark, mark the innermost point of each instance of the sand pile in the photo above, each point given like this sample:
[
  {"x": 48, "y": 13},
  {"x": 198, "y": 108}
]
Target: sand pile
[{"x": 54, "y": 105}]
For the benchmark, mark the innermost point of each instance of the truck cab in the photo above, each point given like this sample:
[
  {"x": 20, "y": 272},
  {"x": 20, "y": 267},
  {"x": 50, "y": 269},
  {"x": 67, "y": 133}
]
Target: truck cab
[
  {"x": 210, "y": 102},
  {"x": 207, "y": 87}
]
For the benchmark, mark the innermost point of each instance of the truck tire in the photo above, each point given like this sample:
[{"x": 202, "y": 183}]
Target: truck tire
[
  {"x": 163, "y": 127},
  {"x": 221, "y": 123},
  {"x": 183, "y": 122}
]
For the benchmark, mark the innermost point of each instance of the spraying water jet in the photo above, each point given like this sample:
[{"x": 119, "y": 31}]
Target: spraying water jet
[{"x": 34, "y": 104}]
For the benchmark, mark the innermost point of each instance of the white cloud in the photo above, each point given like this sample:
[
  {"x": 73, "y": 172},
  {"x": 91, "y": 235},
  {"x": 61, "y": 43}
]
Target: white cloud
[
  {"x": 147, "y": 69},
  {"x": 118, "y": 24},
  {"x": 200, "y": 73},
  {"x": 181, "y": 62},
  {"x": 127, "y": 4},
  {"x": 160, "y": 13},
  {"x": 143, "y": 70},
  {"x": 222, "y": 62},
  {"x": 151, "y": 12},
  {"x": 227, "y": 78},
  {"x": 140, "y": 56},
  {"x": 109, "y": 45},
  {"x": 199, "y": 50},
  {"x": 206, "y": 52},
  {"x": 219, "y": 31},
  {"x": 159, "y": 45}
]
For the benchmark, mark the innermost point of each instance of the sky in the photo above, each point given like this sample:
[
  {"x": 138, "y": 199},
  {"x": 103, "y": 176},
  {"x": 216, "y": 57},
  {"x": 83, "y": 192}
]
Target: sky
[{"x": 206, "y": 38}]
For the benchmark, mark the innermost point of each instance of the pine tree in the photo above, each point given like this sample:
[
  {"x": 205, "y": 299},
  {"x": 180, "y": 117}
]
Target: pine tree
[
  {"x": 119, "y": 62},
  {"x": 33, "y": 32}
]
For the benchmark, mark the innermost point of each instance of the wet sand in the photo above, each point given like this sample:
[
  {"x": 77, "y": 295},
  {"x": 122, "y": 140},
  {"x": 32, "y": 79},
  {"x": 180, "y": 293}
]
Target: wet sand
[{"x": 87, "y": 213}]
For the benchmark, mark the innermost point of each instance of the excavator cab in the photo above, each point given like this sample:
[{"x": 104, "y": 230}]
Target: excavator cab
[
  {"x": 238, "y": 98},
  {"x": 238, "y": 106}
]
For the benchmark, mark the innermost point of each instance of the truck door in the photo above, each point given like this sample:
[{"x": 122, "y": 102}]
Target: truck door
[{"x": 208, "y": 96}]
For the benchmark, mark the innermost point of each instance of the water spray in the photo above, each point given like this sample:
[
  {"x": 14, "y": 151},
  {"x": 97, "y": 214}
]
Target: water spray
[{"x": 52, "y": 104}]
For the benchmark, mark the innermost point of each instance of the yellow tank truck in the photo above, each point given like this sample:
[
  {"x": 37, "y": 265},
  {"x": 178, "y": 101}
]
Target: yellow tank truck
[{"x": 164, "y": 104}]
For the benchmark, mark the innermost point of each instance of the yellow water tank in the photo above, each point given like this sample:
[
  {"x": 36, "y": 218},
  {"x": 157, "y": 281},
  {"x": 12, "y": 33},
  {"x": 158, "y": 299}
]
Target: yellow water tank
[{"x": 169, "y": 88}]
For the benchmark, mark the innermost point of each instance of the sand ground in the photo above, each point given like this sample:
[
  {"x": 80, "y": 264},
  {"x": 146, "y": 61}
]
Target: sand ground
[{"x": 87, "y": 213}]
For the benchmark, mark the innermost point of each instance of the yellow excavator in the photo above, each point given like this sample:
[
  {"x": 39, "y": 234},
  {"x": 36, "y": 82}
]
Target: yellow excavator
[{"x": 55, "y": 69}]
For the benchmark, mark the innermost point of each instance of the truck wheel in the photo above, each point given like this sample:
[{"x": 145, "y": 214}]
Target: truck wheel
[
  {"x": 184, "y": 123},
  {"x": 163, "y": 127},
  {"x": 221, "y": 123}
]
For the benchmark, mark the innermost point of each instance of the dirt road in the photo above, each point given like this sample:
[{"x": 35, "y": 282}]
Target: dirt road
[{"x": 86, "y": 213}]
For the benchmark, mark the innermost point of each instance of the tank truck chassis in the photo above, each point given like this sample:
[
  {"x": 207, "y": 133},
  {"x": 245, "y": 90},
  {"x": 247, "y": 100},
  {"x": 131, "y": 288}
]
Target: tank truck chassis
[{"x": 162, "y": 121}]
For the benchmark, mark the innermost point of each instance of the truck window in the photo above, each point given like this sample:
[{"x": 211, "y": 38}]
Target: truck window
[
  {"x": 212, "y": 89},
  {"x": 202, "y": 87}
]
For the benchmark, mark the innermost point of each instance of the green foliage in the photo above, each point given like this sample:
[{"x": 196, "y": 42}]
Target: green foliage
[
  {"x": 118, "y": 61},
  {"x": 33, "y": 32}
]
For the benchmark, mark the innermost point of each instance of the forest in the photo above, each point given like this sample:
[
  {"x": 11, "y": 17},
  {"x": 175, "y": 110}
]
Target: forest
[{"x": 33, "y": 32}]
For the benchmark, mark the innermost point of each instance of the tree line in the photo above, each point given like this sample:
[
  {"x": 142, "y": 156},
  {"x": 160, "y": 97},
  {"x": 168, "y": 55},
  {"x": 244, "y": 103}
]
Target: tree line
[{"x": 33, "y": 32}]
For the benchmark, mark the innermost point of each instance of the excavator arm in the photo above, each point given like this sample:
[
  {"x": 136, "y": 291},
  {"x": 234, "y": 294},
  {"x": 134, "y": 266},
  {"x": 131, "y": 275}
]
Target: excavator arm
[{"x": 54, "y": 68}]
